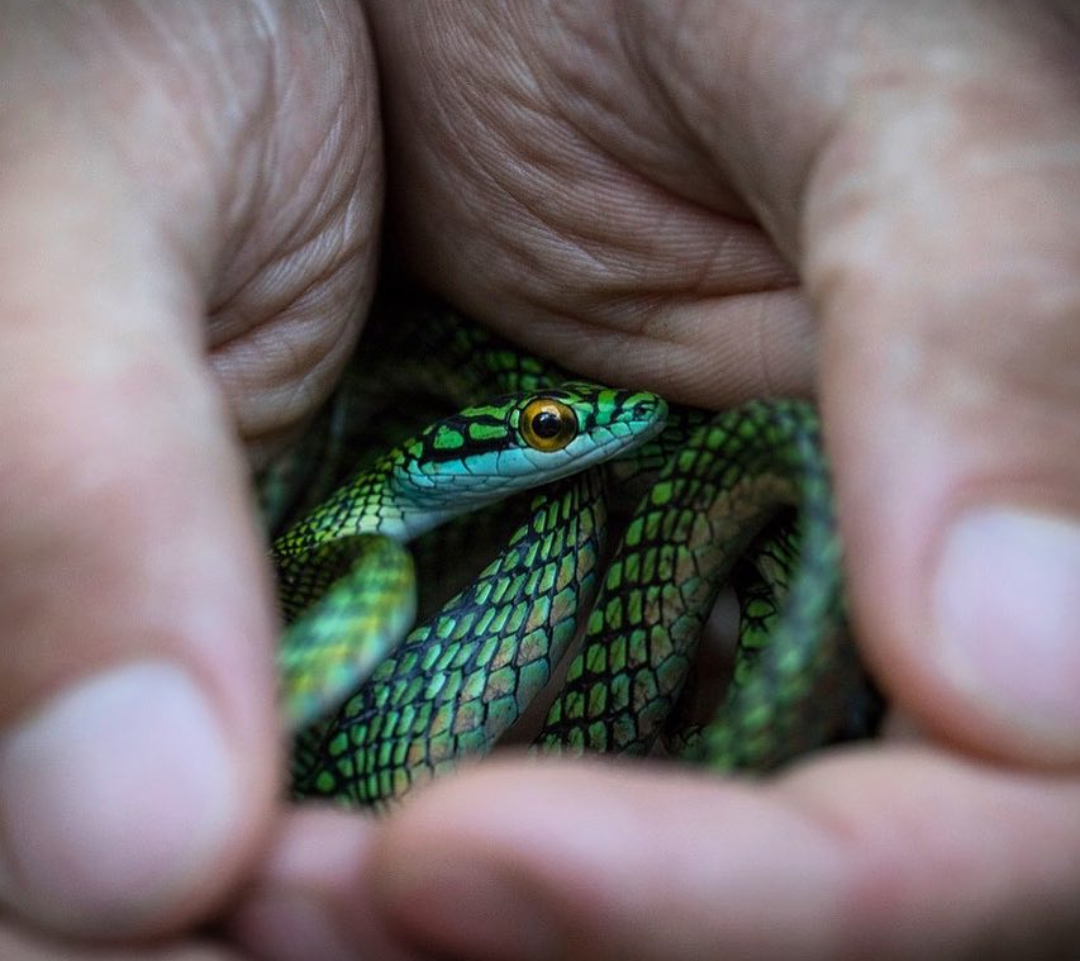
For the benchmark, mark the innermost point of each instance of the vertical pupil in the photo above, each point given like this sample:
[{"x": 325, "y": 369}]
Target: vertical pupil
[{"x": 546, "y": 424}]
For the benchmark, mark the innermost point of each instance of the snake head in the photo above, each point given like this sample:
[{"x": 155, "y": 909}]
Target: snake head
[{"x": 519, "y": 441}]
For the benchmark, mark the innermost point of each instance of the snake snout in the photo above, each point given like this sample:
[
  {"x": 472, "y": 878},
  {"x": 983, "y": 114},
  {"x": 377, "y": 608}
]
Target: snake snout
[
  {"x": 650, "y": 409},
  {"x": 646, "y": 409}
]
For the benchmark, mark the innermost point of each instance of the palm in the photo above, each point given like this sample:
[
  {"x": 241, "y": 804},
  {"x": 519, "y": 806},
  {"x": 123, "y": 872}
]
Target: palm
[
  {"x": 551, "y": 191},
  {"x": 256, "y": 140}
]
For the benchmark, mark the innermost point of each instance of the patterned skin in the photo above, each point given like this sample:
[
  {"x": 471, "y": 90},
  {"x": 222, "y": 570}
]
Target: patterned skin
[{"x": 711, "y": 490}]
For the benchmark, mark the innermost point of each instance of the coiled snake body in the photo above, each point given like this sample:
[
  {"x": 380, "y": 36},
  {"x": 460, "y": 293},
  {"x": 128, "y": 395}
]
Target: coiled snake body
[{"x": 742, "y": 496}]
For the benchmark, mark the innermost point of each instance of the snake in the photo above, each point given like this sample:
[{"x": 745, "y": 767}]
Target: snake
[{"x": 442, "y": 544}]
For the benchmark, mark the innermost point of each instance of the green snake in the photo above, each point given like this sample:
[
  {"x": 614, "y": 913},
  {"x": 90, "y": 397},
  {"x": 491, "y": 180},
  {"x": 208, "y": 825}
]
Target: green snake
[{"x": 443, "y": 438}]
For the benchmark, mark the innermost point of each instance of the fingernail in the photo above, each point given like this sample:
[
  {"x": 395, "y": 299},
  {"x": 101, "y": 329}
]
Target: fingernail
[
  {"x": 1008, "y": 617},
  {"x": 114, "y": 796},
  {"x": 466, "y": 910}
]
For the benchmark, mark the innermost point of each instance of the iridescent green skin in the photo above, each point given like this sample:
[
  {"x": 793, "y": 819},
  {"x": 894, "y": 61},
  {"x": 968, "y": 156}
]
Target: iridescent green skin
[
  {"x": 459, "y": 681},
  {"x": 732, "y": 476},
  {"x": 472, "y": 459},
  {"x": 712, "y": 487},
  {"x": 348, "y": 588}
]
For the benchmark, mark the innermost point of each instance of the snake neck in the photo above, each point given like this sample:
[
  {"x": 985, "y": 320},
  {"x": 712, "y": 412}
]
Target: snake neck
[{"x": 373, "y": 503}]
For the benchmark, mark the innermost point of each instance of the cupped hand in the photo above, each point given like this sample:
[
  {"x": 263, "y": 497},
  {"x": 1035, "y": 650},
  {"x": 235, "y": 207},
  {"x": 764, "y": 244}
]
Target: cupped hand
[
  {"x": 190, "y": 195},
  {"x": 870, "y": 200}
]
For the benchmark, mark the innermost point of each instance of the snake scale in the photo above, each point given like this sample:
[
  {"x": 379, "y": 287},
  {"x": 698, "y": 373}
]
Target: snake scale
[{"x": 453, "y": 462}]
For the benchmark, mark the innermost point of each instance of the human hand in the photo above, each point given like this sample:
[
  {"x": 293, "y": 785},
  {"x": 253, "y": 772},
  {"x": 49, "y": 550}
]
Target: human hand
[
  {"x": 190, "y": 195},
  {"x": 874, "y": 200}
]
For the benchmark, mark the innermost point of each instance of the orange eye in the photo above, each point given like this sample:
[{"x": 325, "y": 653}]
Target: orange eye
[{"x": 547, "y": 424}]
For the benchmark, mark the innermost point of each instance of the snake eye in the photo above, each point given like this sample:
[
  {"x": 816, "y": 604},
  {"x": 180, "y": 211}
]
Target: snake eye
[{"x": 547, "y": 424}]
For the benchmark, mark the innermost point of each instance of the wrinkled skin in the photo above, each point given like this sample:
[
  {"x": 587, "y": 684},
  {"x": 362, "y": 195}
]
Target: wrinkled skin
[{"x": 871, "y": 202}]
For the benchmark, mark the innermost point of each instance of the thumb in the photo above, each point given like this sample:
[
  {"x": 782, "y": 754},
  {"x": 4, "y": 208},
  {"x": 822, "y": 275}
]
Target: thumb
[
  {"x": 137, "y": 744},
  {"x": 944, "y": 258}
]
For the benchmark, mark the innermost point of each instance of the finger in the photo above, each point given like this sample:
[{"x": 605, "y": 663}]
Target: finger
[
  {"x": 944, "y": 258},
  {"x": 138, "y": 743},
  {"x": 137, "y": 737},
  {"x": 898, "y": 854},
  {"x": 308, "y": 898},
  {"x": 21, "y": 945}
]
